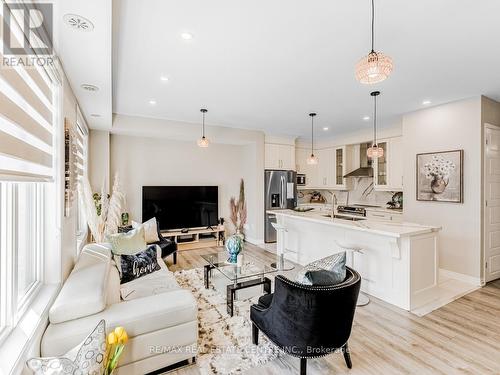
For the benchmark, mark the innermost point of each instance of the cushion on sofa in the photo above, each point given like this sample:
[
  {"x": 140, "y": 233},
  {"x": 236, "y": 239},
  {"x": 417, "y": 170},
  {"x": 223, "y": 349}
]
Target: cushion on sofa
[
  {"x": 140, "y": 264},
  {"x": 326, "y": 271},
  {"x": 128, "y": 243},
  {"x": 84, "y": 292},
  {"x": 87, "y": 358},
  {"x": 150, "y": 229}
]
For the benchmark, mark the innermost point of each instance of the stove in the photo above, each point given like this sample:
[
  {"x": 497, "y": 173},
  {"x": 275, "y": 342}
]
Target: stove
[{"x": 356, "y": 210}]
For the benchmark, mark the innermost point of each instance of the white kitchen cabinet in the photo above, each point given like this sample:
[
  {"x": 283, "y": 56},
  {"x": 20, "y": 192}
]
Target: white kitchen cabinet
[
  {"x": 325, "y": 178},
  {"x": 340, "y": 167},
  {"x": 311, "y": 171},
  {"x": 301, "y": 155},
  {"x": 279, "y": 156},
  {"x": 388, "y": 170}
]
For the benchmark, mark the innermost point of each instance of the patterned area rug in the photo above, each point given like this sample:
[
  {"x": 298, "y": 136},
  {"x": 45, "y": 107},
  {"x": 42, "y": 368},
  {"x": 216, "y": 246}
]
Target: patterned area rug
[{"x": 225, "y": 343}]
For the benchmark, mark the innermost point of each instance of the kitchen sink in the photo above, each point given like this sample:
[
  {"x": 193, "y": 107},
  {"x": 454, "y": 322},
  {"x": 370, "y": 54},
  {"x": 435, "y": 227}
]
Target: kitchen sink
[{"x": 345, "y": 217}]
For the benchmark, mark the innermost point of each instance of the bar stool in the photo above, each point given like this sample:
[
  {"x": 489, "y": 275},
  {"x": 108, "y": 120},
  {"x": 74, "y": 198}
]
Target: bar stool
[
  {"x": 363, "y": 299},
  {"x": 280, "y": 249}
]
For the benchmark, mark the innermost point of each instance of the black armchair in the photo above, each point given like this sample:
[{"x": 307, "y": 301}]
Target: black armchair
[
  {"x": 308, "y": 321},
  {"x": 168, "y": 247}
]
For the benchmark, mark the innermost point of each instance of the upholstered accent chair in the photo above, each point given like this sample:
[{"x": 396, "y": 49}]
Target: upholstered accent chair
[
  {"x": 308, "y": 321},
  {"x": 168, "y": 247}
]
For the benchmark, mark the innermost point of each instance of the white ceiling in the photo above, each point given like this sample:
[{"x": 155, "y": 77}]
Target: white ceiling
[
  {"x": 87, "y": 56},
  {"x": 266, "y": 64}
]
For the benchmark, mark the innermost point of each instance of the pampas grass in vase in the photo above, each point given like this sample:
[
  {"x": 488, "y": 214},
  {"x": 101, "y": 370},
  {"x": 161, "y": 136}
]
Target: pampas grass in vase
[
  {"x": 103, "y": 213},
  {"x": 238, "y": 211}
]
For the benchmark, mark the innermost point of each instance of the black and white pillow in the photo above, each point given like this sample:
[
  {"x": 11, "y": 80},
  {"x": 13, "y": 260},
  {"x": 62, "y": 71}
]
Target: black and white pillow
[
  {"x": 140, "y": 264},
  {"x": 327, "y": 271}
]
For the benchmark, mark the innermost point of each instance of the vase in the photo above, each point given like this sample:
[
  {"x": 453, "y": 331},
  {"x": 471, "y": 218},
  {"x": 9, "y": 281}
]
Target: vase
[
  {"x": 438, "y": 185},
  {"x": 234, "y": 245}
]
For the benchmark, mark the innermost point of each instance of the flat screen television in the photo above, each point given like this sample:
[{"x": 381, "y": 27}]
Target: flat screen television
[{"x": 180, "y": 207}]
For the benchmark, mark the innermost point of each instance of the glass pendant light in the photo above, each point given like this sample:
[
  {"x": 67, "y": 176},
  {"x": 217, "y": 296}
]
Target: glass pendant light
[
  {"x": 375, "y": 151},
  {"x": 203, "y": 141},
  {"x": 312, "y": 159},
  {"x": 374, "y": 67}
]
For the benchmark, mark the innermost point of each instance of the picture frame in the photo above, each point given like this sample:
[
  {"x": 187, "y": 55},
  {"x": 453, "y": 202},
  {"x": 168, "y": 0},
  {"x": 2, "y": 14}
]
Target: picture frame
[{"x": 439, "y": 176}]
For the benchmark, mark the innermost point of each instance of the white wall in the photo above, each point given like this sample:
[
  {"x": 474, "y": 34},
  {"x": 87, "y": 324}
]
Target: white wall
[
  {"x": 99, "y": 159},
  {"x": 451, "y": 126},
  {"x": 159, "y": 152},
  {"x": 69, "y": 223}
]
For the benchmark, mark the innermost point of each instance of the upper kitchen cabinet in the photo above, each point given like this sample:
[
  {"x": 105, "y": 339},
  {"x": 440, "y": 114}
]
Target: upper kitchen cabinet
[
  {"x": 340, "y": 167},
  {"x": 279, "y": 156},
  {"x": 388, "y": 170},
  {"x": 326, "y": 168}
]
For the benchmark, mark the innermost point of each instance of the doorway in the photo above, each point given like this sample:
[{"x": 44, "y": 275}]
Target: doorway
[{"x": 491, "y": 260}]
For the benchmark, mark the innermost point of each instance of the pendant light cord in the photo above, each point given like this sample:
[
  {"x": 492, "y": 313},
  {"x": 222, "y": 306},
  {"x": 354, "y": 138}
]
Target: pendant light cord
[
  {"x": 373, "y": 24},
  {"x": 312, "y": 135},
  {"x": 375, "y": 120},
  {"x": 203, "y": 126}
]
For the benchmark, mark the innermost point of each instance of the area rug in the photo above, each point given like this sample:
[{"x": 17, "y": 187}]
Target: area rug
[{"x": 225, "y": 343}]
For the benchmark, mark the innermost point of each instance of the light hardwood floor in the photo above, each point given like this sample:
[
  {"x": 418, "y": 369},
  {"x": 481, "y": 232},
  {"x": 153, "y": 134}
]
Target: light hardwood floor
[{"x": 462, "y": 337}]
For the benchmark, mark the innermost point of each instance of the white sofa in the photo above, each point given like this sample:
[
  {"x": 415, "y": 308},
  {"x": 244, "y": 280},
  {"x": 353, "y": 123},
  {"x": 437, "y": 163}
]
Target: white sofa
[{"x": 162, "y": 328}]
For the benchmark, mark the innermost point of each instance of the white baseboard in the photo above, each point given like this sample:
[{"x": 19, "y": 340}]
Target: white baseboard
[{"x": 459, "y": 276}]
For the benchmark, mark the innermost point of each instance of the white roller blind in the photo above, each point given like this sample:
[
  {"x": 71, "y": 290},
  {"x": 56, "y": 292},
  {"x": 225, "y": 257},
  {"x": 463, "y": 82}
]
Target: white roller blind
[{"x": 26, "y": 122}]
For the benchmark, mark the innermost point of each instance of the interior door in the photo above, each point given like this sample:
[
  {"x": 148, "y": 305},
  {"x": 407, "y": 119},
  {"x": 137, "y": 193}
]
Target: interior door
[{"x": 492, "y": 203}]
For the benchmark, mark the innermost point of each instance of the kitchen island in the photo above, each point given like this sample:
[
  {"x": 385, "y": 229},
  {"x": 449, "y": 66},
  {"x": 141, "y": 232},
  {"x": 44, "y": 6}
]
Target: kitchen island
[{"x": 398, "y": 262}]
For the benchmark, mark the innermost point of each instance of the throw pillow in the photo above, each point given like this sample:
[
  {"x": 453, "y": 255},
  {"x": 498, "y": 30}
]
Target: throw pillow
[
  {"x": 150, "y": 230},
  {"x": 128, "y": 243},
  {"x": 88, "y": 358},
  {"x": 327, "y": 271},
  {"x": 138, "y": 265}
]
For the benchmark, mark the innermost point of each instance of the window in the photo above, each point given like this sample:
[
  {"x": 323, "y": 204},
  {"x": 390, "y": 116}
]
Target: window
[
  {"x": 21, "y": 248},
  {"x": 82, "y": 172},
  {"x": 30, "y": 107}
]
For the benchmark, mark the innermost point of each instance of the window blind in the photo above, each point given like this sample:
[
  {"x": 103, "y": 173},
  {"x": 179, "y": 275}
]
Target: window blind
[{"x": 26, "y": 121}]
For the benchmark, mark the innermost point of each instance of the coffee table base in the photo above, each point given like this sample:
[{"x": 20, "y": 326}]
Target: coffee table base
[{"x": 232, "y": 288}]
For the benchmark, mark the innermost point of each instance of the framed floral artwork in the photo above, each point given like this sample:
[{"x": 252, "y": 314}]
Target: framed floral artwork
[{"x": 440, "y": 176}]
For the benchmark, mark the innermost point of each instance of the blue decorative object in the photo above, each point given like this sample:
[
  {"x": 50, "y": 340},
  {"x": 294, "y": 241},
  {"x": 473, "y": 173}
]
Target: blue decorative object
[{"x": 234, "y": 245}]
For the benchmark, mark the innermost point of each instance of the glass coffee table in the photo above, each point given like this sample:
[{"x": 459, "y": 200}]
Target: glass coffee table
[{"x": 250, "y": 271}]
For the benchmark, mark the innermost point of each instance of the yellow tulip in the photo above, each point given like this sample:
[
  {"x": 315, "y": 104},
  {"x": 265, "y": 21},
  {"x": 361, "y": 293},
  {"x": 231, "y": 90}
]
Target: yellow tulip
[
  {"x": 121, "y": 335},
  {"x": 112, "y": 338},
  {"x": 123, "y": 338},
  {"x": 119, "y": 331}
]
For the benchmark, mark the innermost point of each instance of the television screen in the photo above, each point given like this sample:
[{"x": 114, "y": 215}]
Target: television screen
[{"x": 179, "y": 207}]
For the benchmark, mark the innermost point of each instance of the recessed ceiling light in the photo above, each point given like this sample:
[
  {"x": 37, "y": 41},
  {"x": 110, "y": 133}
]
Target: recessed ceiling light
[
  {"x": 426, "y": 102},
  {"x": 366, "y": 118},
  {"x": 164, "y": 78},
  {"x": 152, "y": 102},
  {"x": 89, "y": 87},
  {"x": 186, "y": 36},
  {"x": 325, "y": 128},
  {"x": 78, "y": 22},
  {"x": 95, "y": 115}
]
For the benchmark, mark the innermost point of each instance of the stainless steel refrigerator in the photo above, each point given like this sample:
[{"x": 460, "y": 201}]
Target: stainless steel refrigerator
[{"x": 280, "y": 193}]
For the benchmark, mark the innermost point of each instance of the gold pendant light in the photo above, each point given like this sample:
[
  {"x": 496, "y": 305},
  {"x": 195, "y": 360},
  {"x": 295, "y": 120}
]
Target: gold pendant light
[
  {"x": 376, "y": 66},
  {"x": 203, "y": 141},
  {"x": 375, "y": 151},
  {"x": 312, "y": 159}
]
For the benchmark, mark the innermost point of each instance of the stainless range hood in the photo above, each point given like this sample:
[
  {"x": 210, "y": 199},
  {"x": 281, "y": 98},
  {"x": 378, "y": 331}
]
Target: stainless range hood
[{"x": 365, "y": 165}]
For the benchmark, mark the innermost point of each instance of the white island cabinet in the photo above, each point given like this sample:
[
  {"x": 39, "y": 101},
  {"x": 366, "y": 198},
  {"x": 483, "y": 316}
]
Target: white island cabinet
[{"x": 398, "y": 262}]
